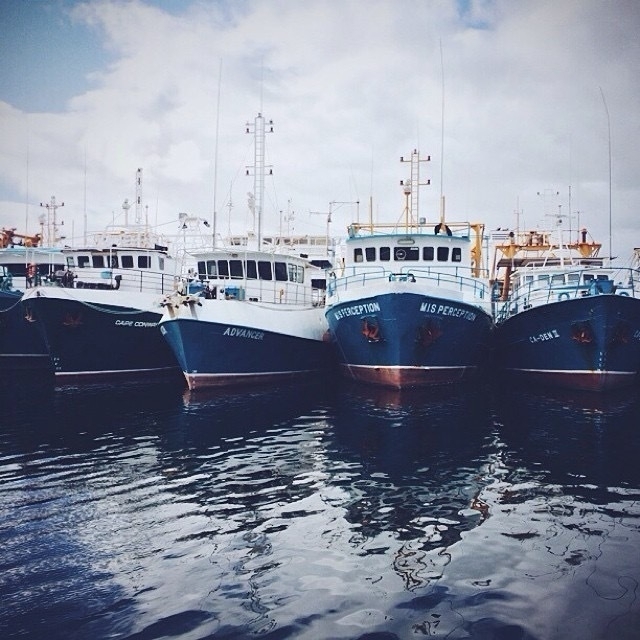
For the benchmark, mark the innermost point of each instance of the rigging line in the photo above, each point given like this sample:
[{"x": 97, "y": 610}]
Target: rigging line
[
  {"x": 441, "y": 126},
  {"x": 114, "y": 311},
  {"x": 215, "y": 162},
  {"x": 609, "y": 132},
  {"x": 84, "y": 198},
  {"x": 371, "y": 176},
  {"x": 261, "y": 84},
  {"x": 13, "y": 306},
  {"x": 26, "y": 202},
  {"x": 119, "y": 311}
]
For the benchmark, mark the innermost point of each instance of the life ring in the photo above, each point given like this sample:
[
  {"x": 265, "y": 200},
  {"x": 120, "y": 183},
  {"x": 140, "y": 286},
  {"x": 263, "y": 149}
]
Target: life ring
[
  {"x": 563, "y": 296},
  {"x": 624, "y": 293},
  {"x": 400, "y": 254}
]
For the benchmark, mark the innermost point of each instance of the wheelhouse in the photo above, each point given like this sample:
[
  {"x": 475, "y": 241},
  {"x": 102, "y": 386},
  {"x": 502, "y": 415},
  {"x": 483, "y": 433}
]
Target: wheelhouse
[{"x": 259, "y": 276}]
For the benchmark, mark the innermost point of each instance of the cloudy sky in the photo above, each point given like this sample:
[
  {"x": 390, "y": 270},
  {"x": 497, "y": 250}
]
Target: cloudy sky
[{"x": 513, "y": 100}]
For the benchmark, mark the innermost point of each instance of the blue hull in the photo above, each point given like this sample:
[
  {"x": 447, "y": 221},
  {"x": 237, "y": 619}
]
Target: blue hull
[
  {"x": 210, "y": 357},
  {"x": 408, "y": 340},
  {"x": 21, "y": 345},
  {"x": 90, "y": 344},
  {"x": 585, "y": 343}
]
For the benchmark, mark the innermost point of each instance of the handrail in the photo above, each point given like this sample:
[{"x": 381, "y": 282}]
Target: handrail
[
  {"x": 478, "y": 288},
  {"x": 540, "y": 292},
  {"x": 271, "y": 291}
]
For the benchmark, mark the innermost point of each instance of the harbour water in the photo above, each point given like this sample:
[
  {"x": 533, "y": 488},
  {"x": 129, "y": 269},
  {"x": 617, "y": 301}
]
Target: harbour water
[{"x": 308, "y": 512}]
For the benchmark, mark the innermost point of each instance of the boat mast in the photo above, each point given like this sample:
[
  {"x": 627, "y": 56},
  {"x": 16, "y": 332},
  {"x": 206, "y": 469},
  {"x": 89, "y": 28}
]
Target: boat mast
[
  {"x": 259, "y": 169},
  {"x": 412, "y": 186},
  {"x": 609, "y": 136},
  {"x": 51, "y": 221},
  {"x": 139, "y": 196},
  {"x": 442, "y": 215},
  {"x": 215, "y": 165}
]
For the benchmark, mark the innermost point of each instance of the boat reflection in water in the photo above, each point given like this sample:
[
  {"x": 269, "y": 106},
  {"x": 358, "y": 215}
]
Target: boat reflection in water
[
  {"x": 213, "y": 416},
  {"x": 418, "y": 461},
  {"x": 355, "y": 497},
  {"x": 305, "y": 512},
  {"x": 579, "y": 437},
  {"x": 566, "y": 509}
]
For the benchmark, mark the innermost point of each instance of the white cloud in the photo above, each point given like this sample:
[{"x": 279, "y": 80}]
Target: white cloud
[{"x": 351, "y": 86}]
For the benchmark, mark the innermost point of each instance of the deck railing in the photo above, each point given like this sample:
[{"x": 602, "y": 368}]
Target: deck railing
[
  {"x": 453, "y": 279},
  {"x": 257, "y": 290},
  {"x": 139, "y": 280},
  {"x": 622, "y": 281}
]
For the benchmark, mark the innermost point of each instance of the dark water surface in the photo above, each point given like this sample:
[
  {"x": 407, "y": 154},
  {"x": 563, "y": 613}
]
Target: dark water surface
[{"x": 310, "y": 513}]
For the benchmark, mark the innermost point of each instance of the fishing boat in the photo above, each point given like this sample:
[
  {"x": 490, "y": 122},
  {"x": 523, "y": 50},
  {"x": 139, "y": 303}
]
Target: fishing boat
[
  {"x": 99, "y": 312},
  {"x": 259, "y": 318},
  {"x": 565, "y": 316},
  {"x": 23, "y": 262},
  {"x": 410, "y": 306},
  {"x": 254, "y": 310}
]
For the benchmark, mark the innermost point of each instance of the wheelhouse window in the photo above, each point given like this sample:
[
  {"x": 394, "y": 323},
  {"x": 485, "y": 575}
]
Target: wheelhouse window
[
  {"x": 296, "y": 273},
  {"x": 385, "y": 254},
  {"x": 264, "y": 270},
  {"x": 370, "y": 254},
  {"x": 235, "y": 269},
  {"x": 83, "y": 261},
  {"x": 456, "y": 254},
  {"x": 161, "y": 262},
  {"x": 357, "y": 255},
  {"x": 281, "y": 271},
  {"x": 404, "y": 254},
  {"x": 428, "y": 254},
  {"x": 97, "y": 262},
  {"x": 557, "y": 278},
  {"x": 252, "y": 271},
  {"x": 127, "y": 262},
  {"x": 223, "y": 269},
  {"x": 443, "y": 254},
  {"x": 144, "y": 262},
  {"x": 208, "y": 269},
  {"x": 113, "y": 261},
  {"x": 573, "y": 278}
]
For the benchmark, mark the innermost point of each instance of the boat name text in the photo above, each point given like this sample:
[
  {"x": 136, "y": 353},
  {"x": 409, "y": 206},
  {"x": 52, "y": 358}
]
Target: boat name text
[
  {"x": 446, "y": 310},
  {"x": 135, "y": 323},
  {"x": 357, "y": 310},
  {"x": 237, "y": 332},
  {"x": 543, "y": 337}
]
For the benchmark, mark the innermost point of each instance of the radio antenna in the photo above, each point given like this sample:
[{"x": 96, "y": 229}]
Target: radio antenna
[
  {"x": 609, "y": 132},
  {"x": 215, "y": 163},
  {"x": 442, "y": 138}
]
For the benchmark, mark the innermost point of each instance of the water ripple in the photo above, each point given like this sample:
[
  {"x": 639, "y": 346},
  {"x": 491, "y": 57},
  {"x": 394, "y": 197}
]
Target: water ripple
[{"x": 304, "y": 512}]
